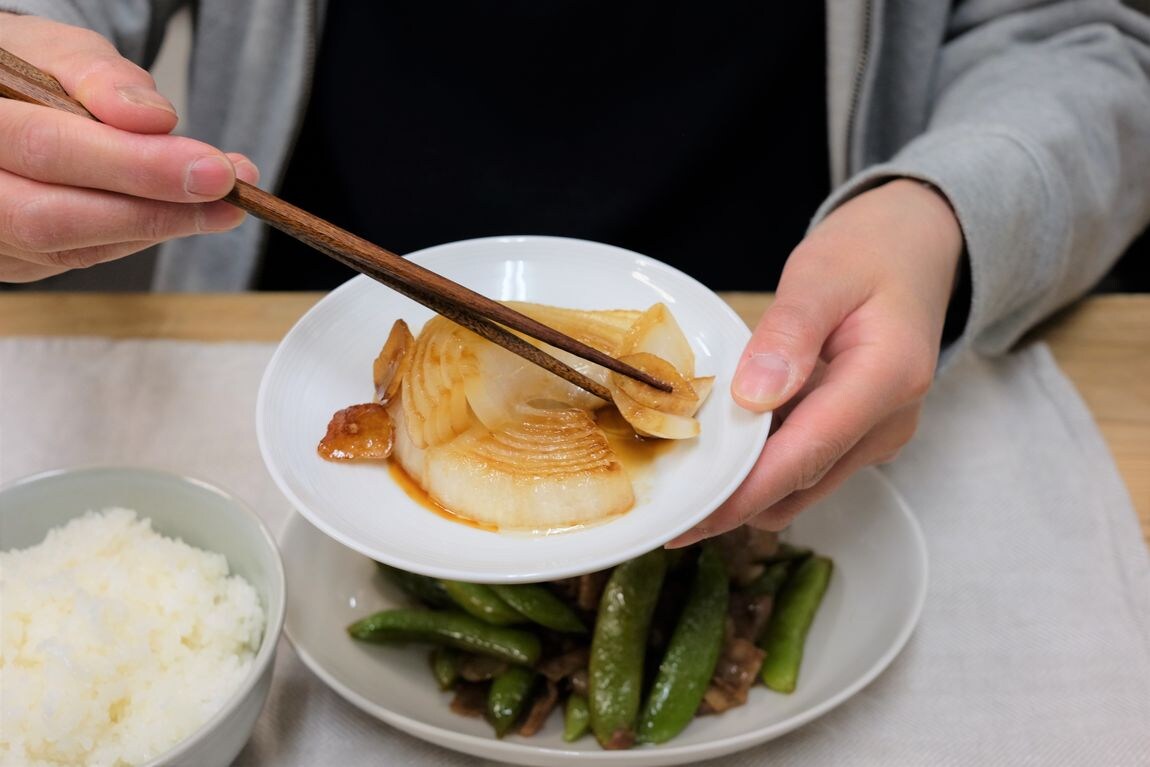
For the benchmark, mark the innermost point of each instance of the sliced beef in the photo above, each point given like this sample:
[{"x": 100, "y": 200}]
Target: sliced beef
[
  {"x": 541, "y": 707},
  {"x": 735, "y": 674}
]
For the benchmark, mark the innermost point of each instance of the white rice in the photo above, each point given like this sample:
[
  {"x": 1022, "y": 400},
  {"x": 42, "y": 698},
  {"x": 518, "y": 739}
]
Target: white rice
[{"x": 116, "y": 642}]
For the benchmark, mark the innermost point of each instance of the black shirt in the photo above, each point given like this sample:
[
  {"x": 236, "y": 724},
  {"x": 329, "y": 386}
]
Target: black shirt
[{"x": 694, "y": 133}]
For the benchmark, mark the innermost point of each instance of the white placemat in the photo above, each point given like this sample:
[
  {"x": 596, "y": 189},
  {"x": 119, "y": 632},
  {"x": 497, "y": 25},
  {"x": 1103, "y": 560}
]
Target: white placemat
[{"x": 1034, "y": 646}]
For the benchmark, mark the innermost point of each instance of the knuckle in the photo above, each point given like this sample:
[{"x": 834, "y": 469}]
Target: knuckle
[
  {"x": 78, "y": 258},
  {"x": 919, "y": 378},
  {"x": 87, "y": 40},
  {"x": 39, "y": 142},
  {"x": 30, "y": 226},
  {"x": 158, "y": 221},
  {"x": 889, "y": 456},
  {"x": 778, "y": 517},
  {"x": 747, "y": 514},
  {"x": 91, "y": 55},
  {"x": 809, "y": 249},
  {"x": 785, "y": 324},
  {"x": 787, "y": 328},
  {"x": 153, "y": 225},
  {"x": 817, "y": 459},
  {"x": 896, "y": 435},
  {"x": 907, "y": 426},
  {"x": 112, "y": 66},
  {"x": 914, "y": 358},
  {"x": 164, "y": 221},
  {"x": 82, "y": 258}
]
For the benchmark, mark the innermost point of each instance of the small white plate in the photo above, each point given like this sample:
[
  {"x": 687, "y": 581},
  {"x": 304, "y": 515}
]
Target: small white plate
[
  {"x": 324, "y": 364},
  {"x": 872, "y": 605}
]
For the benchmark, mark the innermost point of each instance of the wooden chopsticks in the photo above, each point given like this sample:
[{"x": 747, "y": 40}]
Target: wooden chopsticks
[{"x": 21, "y": 81}]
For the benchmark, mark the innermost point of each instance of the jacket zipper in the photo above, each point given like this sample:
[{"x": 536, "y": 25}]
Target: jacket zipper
[{"x": 856, "y": 89}]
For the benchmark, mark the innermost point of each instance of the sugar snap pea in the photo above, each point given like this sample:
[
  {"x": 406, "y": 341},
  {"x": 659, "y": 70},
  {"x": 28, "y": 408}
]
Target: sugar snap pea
[
  {"x": 427, "y": 590},
  {"x": 452, "y": 628},
  {"x": 445, "y": 666},
  {"x": 795, "y": 606},
  {"x": 615, "y": 669},
  {"x": 482, "y": 602},
  {"x": 691, "y": 655},
  {"x": 787, "y": 552},
  {"x": 576, "y": 718},
  {"x": 539, "y": 604},
  {"x": 508, "y": 696},
  {"x": 770, "y": 580}
]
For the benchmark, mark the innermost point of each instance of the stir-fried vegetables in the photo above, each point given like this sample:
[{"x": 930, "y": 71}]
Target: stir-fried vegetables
[{"x": 676, "y": 635}]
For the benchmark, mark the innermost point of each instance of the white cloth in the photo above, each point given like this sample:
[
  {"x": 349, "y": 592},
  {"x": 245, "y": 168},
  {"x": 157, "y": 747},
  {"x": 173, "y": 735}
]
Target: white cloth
[{"x": 1034, "y": 646}]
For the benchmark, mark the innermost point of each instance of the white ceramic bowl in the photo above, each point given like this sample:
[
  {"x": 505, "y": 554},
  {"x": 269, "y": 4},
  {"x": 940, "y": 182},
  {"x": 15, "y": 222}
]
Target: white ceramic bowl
[
  {"x": 874, "y": 600},
  {"x": 324, "y": 365},
  {"x": 200, "y": 515}
]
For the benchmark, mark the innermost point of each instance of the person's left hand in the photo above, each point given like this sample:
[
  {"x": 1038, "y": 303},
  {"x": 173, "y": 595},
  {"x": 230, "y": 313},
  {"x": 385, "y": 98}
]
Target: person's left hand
[{"x": 846, "y": 352}]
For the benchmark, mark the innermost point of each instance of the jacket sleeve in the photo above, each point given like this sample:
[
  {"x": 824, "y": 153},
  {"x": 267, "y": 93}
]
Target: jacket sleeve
[
  {"x": 136, "y": 27},
  {"x": 1039, "y": 136}
]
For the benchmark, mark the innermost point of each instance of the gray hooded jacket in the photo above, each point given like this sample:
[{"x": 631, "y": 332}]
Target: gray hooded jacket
[{"x": 1031, "y": 116}]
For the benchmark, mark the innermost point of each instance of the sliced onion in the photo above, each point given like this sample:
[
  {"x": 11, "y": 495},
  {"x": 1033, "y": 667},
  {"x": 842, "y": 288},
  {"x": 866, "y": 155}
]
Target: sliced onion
[
  {"x": 551, "y": 468},
  {"x": 655, "y": 413},
  {"x": 503, "y": 442},
  {"x": 598, "y": 328},
  {"x": 648, "y": 422},
  {"x": 434, "y": 402},
  {"x": 393, "y": 362},
  {"x": 410, "y": 456},
  {"x": 503, "y": 380},
  {"x": 657, "y": 332},
  {"x": 702, "y": 386},
  {"x": 681, "y": 400}
]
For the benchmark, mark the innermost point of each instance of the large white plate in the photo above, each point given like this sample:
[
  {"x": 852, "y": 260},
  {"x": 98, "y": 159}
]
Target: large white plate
[
  {"x": 873, "y": 602},
  {"x": 324, "y": 364}
]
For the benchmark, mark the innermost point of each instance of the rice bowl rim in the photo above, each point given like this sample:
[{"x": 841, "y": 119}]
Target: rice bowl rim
[{"x": 274, "y": 613}]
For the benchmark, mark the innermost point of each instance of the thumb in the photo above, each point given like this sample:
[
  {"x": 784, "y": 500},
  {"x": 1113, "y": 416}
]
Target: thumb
[
  {"x": 785, "y": 346},
  {"x": 92, "y": 71}
]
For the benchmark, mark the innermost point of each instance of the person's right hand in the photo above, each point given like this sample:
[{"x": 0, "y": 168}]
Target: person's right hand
[{"x": 75, "y": 192}]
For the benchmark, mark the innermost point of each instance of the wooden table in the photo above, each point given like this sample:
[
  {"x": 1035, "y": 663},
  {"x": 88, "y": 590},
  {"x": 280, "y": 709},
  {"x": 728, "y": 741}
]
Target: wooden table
[{"x": 1103, "y": 344}]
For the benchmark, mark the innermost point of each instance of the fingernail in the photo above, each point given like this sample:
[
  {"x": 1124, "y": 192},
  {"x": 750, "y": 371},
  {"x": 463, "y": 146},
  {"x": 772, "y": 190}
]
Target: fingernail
[
  {"x": 762, "y": 378},
  {"x": 248, "y": 171},
  {"x": 145, "y": 97},
  {"x": 211, "y": 176}
]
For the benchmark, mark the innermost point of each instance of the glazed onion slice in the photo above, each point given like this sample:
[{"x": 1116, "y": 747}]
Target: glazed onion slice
[
  {"x": 405, "y": 452},
  {"x": 702, "y": 386},
  {"x": 683, "y": 399},
  {"x": 501, "y": 381},
  {"x": 500, "y": 441},
  {"x": 433, "y": 398},
  {"x": 648, "y": 422},
  {"x": 548, "y": 469},
  {"x": 393, "y": 362},
  {"x": 603, "y": 329},
  {"x": 649, "y": 411},
  {"x": 505, "y": 380},
  {"x": 656, "y": 331}
]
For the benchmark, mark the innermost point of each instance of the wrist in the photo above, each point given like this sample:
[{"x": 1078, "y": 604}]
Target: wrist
[{"x": 931, "y": 207}]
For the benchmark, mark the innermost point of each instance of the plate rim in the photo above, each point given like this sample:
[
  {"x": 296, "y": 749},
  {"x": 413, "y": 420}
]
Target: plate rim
[
  {"x": 664, "y": 754},
  {"x": 534, "y": 575}
]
